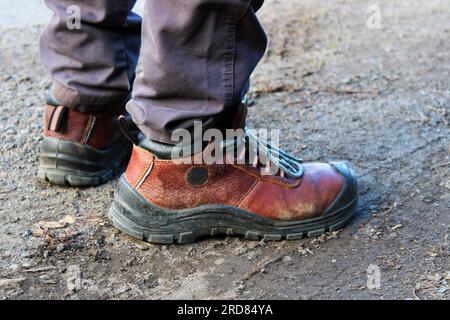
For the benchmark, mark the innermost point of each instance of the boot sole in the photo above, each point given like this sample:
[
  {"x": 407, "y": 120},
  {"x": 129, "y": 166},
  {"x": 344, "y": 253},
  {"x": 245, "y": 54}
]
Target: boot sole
[
  {"x": 135, "y": 216},
  {"x": 73, "y": 164}
]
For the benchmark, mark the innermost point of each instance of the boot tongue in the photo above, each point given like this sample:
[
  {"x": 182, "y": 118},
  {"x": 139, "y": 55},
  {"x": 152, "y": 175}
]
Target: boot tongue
[
  {"x": 159, "y": 149},
  {"x": 165, "y": 151}
]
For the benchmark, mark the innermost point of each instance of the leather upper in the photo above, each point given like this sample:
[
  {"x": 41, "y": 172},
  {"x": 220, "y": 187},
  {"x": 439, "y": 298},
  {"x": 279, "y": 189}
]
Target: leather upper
[
  {"x": 166, "y": 184},
  {"x": 98, "y": 129}
]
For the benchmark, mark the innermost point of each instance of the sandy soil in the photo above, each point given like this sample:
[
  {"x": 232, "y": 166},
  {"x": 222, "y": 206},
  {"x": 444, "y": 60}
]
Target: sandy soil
[{"x": 339, "y": 90}]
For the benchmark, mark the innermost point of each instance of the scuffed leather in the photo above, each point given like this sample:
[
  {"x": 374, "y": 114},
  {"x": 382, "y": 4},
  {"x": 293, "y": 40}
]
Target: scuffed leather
[
  {"x": 135, "y": 173},
  {"x": 320, "y": 185},
  {"x": 236, "y": 185},
  {"x": 74, "y": 125}
]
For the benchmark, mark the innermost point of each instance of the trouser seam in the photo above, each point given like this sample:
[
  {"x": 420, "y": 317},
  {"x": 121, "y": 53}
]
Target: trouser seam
[
  {"x": 125, "y": 24},
  {"x": 230, "y": 55}
]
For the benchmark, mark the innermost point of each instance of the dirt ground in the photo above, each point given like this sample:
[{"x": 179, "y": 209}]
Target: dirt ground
[{"x": 339, "y": 89}]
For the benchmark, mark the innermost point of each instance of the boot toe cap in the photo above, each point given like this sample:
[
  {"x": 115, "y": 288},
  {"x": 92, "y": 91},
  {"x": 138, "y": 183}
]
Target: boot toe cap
[{"x": 349, "y": 193}]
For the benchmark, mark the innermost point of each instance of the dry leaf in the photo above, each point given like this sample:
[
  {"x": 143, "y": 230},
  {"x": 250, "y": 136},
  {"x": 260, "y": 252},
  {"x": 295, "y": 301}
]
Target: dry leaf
[{"x": 42, "y": 227}]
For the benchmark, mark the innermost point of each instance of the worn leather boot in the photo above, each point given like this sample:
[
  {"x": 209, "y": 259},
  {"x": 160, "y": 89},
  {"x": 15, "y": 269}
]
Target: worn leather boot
[
  {"x": 82, "y": 149},
  {"x": 162, "y": 201}
]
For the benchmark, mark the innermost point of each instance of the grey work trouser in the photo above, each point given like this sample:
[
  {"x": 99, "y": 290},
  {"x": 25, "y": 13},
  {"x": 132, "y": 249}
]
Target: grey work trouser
[{"x": 197, "y": 57}]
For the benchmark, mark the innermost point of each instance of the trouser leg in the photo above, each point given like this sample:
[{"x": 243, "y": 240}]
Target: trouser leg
[
  {"x": 197, "y": 58},
  {"x": 93, "y": 67}
]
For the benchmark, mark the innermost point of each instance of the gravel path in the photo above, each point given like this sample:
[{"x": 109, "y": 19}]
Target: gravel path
[{"x": 338, "y": 89}]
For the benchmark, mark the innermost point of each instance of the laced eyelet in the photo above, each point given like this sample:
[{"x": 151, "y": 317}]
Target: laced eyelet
[{"x": 285, "y": 164}]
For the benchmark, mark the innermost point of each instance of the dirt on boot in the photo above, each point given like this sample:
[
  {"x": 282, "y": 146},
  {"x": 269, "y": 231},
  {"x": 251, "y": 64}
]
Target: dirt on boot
[{"x": 339, "y": 87}]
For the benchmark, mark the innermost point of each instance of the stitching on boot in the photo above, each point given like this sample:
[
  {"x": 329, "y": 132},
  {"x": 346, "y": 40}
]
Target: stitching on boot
[
  {"x": 230, "y": 55},
  {"x": 144, "y": 177},
  {"x": 88, "y": 129},
  {"x": 247, "y": 194}
]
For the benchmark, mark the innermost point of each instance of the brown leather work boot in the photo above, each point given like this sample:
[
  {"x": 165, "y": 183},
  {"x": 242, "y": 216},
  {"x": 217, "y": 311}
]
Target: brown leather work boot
[
  {"x": 162, "y": 201},
  {"x": 82, "y": 149}
]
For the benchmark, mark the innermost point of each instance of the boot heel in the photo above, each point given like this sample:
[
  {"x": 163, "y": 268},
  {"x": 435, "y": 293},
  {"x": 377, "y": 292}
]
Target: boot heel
[{"x": 73, "y": 164}]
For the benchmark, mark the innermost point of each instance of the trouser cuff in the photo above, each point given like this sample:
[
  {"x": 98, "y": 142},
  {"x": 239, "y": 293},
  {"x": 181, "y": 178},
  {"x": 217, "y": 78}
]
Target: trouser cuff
[{"x": 68, "y": 97}]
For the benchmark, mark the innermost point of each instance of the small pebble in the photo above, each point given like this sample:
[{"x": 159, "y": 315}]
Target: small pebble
[{"x": 61, "y": 247}]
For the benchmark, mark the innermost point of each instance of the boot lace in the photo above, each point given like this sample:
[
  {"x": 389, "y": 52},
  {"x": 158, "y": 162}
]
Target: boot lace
[{"x": 285, "y": 163}]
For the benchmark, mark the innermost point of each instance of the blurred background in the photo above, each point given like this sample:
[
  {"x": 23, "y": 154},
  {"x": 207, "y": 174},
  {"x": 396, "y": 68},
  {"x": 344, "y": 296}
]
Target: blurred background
[{"x": 21, "y": 13}]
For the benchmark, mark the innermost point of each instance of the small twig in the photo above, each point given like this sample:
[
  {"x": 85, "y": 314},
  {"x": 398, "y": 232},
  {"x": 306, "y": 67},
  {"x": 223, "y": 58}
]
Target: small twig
[
  {"x": 261, "y": 266},
  {"x": 42, "y": 269},
  {"x": 440, "y": 165},
  {"x": 7, "y": 191},
  {"x": 351, "y": 91},
  {"x": 415, "y": 295},
  {"x": 9, "y": 282}
]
